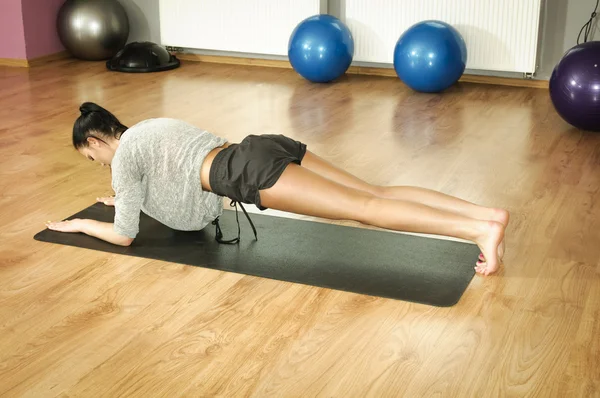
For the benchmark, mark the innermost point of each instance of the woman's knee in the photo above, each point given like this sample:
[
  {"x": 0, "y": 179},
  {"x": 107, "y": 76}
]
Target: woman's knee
[
  {"x": 365, "y": 205},
  {"x": 377, "y": 190}
]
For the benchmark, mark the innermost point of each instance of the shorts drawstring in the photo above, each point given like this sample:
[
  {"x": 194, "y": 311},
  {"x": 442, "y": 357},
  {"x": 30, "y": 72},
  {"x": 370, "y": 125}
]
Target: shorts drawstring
[{"x": 219, "y": 232}]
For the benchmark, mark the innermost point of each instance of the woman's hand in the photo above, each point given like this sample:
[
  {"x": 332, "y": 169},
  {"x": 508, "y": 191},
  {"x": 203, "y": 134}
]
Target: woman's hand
[
  {"x": 107, "y": 200},
  {"x": 97, "y": 229},
  {"x": 73, "y": 226}
]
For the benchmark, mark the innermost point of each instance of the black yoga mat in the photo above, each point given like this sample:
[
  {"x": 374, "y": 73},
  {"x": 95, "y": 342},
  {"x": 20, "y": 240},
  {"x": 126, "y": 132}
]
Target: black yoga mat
[{"x": 372, "y": 262}]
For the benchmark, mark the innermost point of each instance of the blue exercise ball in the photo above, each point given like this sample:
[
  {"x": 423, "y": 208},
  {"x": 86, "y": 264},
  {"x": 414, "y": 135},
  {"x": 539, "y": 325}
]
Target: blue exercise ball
[
  {"x": 321, "y": 48},
  {"x": 430, "y": 56}
]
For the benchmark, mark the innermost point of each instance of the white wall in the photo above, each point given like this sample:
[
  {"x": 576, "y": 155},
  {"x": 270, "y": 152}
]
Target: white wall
[
  {"x": 562, "y": 21},
  {"x": 144, "y": 20}
]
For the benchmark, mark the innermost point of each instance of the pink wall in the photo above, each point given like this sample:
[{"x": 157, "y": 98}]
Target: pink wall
[
  {"x": 28, "y": 28},
  {"x": 12, "y": 36},
  {"x": 39, "y": 17}
]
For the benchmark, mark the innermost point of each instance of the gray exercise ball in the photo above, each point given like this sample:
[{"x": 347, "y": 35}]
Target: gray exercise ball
[{"x": 93, "y": 30}]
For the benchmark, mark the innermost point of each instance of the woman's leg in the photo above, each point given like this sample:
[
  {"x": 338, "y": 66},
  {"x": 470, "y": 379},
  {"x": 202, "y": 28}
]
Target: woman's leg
[
  {"x": 302, "y": 191},
  {"x": 423, "y": 196},
  {"x": 412, "y": 194}
]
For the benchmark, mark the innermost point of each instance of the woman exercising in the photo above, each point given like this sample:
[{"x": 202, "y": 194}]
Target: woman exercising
[{"x": 178, "y": 174}]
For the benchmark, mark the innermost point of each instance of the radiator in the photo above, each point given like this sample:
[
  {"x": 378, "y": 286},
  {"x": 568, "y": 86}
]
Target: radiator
[
  {"x": 501, "y": 35},
  {"x": 247, "y": 26}
]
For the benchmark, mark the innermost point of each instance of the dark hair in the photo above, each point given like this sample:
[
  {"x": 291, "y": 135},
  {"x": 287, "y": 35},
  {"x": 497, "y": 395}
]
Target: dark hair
[{"x": 95, "y": 121}]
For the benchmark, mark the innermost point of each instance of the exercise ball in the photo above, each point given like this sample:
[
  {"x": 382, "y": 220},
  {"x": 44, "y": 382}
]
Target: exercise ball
[
  {"x": 93, "y": 30},
  {"x": 321, "y": 48},
  {"x": 430, "y": 56},
  {"x": 575, "y": 86}
]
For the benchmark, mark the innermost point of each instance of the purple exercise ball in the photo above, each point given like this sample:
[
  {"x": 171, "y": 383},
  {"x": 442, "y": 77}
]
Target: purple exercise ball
[{"x": 575, "y": 86}]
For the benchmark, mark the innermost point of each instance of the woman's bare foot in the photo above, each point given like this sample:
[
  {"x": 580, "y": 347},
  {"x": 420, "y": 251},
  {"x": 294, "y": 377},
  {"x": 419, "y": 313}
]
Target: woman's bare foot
[
  {"x": 500, "y": 215},
  {"x": 501, "y": 251},
  {"x": 503, "y": 217},
  {"x": 489, "y": 241}
]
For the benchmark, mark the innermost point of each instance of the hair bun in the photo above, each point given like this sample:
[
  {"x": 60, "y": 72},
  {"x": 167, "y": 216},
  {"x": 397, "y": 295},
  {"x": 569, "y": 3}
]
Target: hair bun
[{"x": 88, "y": 107}]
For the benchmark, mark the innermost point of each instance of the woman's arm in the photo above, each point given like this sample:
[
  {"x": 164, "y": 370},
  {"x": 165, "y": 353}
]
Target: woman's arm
[
  {"x": 129, "y": 197},
  {"x": 97, "y": 229}
]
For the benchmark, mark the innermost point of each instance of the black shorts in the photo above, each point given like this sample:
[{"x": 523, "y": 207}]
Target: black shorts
[{"x": 241, "y": 170}]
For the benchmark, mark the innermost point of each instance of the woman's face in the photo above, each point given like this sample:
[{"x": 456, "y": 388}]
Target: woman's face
[{"x": 98, "y": 151}]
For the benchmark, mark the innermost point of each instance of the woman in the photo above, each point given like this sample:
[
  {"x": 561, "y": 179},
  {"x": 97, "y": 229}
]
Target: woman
[{"x": 178, "y": 174}]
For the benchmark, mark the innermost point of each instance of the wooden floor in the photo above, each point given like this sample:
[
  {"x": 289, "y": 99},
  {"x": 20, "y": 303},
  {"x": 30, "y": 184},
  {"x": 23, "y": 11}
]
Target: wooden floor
[{"x": 81, "y": 323}]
